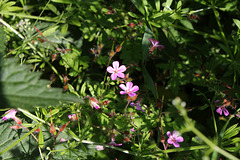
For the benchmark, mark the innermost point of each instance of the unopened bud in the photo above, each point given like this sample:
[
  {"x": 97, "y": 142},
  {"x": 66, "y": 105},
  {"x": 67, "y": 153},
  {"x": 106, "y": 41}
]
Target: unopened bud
[
  {"x": 15, "y": 127},
  {"x": 64, "y": 126},
  {"x": 52, "y": 129}
]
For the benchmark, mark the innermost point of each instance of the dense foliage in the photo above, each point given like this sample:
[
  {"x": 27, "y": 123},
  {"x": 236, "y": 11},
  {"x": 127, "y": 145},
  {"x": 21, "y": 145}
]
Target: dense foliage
[{"x": 119, "y": 79}]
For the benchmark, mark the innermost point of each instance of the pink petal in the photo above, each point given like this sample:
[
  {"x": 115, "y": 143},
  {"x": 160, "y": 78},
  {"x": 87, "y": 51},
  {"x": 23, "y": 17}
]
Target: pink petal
[
  {"x": 99, "y": 147},
  {"x": 169, "y": 141},
  {"x": 121, "y": 75},
  {"x": 132, "y": 94},
  {"x": 175, "y": 134},
  {"x": 9, "y": 114},
  {"x": 122, "y": 92},
  {"x": 122, "y": 68},
  {"x": 168, "y": 133},
  {"x": 219, "y": 110},
  {"x": 176, "y": 145},
  {"x": 179, "y": 139},
  {"x": 123, "y": 87},
  {"x": 114, "y": 76},
  {"x": 135, "y": 89},
  {"x": 225, "y": 111},
  {"x": 150, "y": 40},
  {"x": 115, "y": 65},
  {"x": 110, "y": 69},
  {"x": 129, "y": 85},
  {"x": 160, "y": 47}
]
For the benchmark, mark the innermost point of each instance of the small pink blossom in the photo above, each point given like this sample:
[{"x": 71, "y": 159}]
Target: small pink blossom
[
  {"x": 132, "y": 129},
  {"x": 63, "y": 140},
  {"x": 10, "y": 114},
  {"x": 137, "y": 104},
  {"x": 72, "y": 117},
  {"x": 129, "y": 89},
  {"x": 155, "y": 44},
  {"x": 113, "y": 143},
  {"x": 94, "y": 102},
  {"x": 222, "y": 109},
  {"x": 116, "y": 71},
  {"x": 174, "y": 138},
  {"x": 99, "y": 147}
]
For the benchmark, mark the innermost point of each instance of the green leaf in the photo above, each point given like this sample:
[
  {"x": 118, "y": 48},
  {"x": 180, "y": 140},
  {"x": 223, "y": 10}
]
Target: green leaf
[
  {"x": 146, "y": 43},
  {"x": 40, "y": 138},
  {"x": 2, "y": 41},
  {"x": 149, "y": 81},
  {"x": 231, "y": 131},
  {"x": 237, "y": 22},
  {"x": 53, "y": 9},
  {"x": 139, "y": 5},
  {"x": 64, "y": 28},
  {"x": 133, "y": 15},
  {"x": 168, "y": 4},
  {"x": 20, "y": 88},
  {"x": 10, "y": 142},
  {"x": 62, "y": 1},
  {"x": 187, "y": 24},
  {"x": 158, "y": 5}
]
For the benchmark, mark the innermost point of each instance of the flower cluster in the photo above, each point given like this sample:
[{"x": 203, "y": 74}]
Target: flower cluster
[{"x": 117, "y": 71}]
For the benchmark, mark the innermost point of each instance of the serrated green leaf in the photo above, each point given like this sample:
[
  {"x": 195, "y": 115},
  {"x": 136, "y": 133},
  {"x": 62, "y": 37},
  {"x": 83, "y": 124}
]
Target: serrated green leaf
[{"x": 22, "y": 89}]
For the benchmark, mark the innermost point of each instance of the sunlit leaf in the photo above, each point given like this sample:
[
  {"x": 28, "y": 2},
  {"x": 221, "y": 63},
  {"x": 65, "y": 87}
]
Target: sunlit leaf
[{"x": 23, "y": 89}]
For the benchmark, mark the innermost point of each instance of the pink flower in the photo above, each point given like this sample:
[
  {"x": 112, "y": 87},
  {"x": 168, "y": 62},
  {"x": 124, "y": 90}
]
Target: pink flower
[
  {"x": 155, "y": 44},
  {"x": 222, "y": 108},
  {"x": 174, "y": 138},
  {"x": 10, "y": 114},
  {"x": 113, "y": 143},
  {"x": 72, "y": 117},
  {"x": 94, "y": 103},
  {"x": 116, "y": 71},
  {"x": 99, "y": 147},
  {"x": 137, "y": 104},
  {"x": 129, "y": 89}
]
